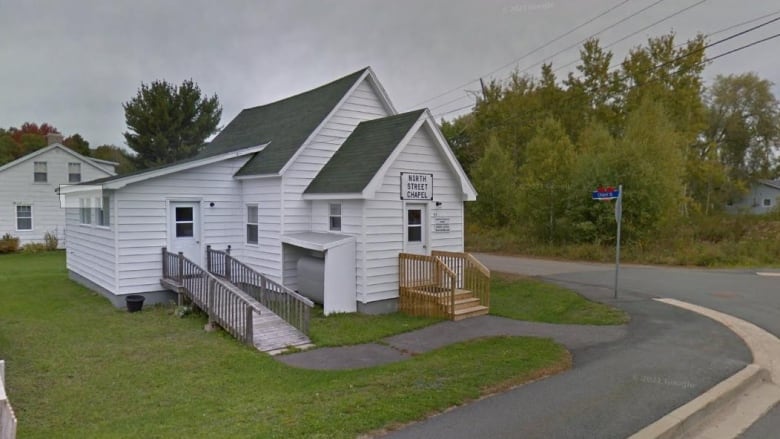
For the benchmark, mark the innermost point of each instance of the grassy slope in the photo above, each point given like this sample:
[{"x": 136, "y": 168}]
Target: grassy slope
[
  {"x": 76, "y": 367},
  {"x": 521, "y": 298}
]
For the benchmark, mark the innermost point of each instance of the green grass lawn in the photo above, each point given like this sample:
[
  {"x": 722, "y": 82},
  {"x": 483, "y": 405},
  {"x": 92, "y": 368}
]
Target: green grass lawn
[
  {"x": 522, "y": 298},
  {"x": 77, "y": 367}
]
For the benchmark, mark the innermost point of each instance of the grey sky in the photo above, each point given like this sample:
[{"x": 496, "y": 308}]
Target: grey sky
[{"x": 73, "y": 63}]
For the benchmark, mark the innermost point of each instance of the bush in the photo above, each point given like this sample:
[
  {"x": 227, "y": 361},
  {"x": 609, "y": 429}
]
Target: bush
[
  {"x": 34, "y": 247},
  {"x": 9, "y": 244},
  {"x": 50, "y": 241}
]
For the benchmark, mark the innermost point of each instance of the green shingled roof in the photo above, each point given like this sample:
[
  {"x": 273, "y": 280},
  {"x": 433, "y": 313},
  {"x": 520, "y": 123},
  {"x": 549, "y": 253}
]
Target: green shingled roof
[
  {"x": 362, "y": 154},
  {"x": 286, "y": 124}
]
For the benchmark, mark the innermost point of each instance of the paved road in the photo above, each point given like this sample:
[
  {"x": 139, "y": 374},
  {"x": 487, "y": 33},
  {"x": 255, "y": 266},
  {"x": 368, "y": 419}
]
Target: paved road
[{"x": 669, "y": 357}]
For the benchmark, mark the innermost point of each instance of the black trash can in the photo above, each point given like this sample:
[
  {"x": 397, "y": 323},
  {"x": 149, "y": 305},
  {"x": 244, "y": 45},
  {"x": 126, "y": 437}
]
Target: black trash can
[{"x": 134, "y": 302}]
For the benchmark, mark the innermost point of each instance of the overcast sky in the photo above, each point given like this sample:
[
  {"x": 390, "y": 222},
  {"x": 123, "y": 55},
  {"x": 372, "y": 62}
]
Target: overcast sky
[{"x": 73, "y": 63}]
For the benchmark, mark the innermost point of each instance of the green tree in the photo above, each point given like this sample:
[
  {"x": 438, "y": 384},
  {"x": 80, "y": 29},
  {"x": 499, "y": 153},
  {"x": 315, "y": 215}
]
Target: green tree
[
  {"x": 744, "y": 125},
  {"x": 495, "y": 178},
  {"x": 167, "y": 123},
  {"x": 650, "y": 162},
  {"x": 116, "y": 154},
  {"x": 78, "y": 144},
  {"x": 546, "y": 178}
]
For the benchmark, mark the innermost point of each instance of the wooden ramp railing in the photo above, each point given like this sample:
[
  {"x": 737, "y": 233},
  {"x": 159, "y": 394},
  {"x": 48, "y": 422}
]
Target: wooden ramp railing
[
  {"x": 444, "y": 284},
  {"x": 292, "y": 307},
  {"x": 231, "y": 309},
  {"x": 472, "y": 275}
]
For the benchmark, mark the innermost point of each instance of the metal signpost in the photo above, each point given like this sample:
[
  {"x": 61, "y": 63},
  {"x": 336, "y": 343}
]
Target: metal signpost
[{"x": 606, "y": 194}]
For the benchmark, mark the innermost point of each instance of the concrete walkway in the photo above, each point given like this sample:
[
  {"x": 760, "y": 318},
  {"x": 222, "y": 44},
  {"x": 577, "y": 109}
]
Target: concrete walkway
[{"x": 404, "y": 346}]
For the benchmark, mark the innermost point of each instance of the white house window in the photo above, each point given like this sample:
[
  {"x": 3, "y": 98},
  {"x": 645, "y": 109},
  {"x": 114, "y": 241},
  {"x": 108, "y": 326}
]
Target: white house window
[
  {"x": 414, "y": 225},
  {"x": 40, "y": 174},
  {"x": 85, "y": 211},
  {"x": 251, "y": 224},
  {"x": 767, "y": 202},
  {"x": 23, "y": 217},
  {"x": 185, "y": 224},
  {"x": 103, "y": 211},
  {"x": 74, "y": 172},
  {"x": 335, "y": 217}
]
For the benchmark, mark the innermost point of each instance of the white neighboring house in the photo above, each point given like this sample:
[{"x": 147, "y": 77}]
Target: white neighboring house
[
  {"x": 332, "y": 178},
  {"x": 29, "y": 205},
  {"x": 762, "y": 198}
]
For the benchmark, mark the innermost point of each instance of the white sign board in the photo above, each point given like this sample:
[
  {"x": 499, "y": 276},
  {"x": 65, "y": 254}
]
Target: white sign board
[
  {"x": 441, "y": 224},
  {"x": 416, "y": 186}
]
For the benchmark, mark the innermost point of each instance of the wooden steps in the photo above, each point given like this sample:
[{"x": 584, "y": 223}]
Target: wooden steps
[{"x": 466, "y": 303}]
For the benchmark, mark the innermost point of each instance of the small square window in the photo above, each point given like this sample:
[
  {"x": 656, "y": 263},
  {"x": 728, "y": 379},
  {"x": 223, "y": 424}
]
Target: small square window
[
  {"x": 767, "y": 202},
  {"x": 23, "y": 217},
  {"x": 40, "y": 175},
  {"x": 74, "y": 172},
  {"x": 334, "y": 221}
]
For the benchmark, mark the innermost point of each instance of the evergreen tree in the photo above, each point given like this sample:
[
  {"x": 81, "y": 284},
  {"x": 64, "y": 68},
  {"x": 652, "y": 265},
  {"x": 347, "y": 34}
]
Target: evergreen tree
[{"x": 167, "y": 123}]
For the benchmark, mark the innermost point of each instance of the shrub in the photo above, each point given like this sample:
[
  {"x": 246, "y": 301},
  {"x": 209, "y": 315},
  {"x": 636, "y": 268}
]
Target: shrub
[
  {"x": 34, "y": 247},
  {"x": 9, "y": 244},
  {"x": 50, "y": 241}
]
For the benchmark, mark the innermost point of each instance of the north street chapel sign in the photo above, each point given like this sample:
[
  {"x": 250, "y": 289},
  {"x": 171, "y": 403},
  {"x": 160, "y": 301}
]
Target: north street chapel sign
[{"x": 416, "y": 186}]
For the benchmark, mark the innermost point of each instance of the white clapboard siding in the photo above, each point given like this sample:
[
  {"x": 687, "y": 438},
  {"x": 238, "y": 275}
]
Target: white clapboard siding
[
  {"x": 266, "y": 255},
  {"x": 91, "y": 252},
  {"x": 362, "y": 104},
  {"x": 142, "y": 225},
  {"x": 384, "y": 234},
  {"x": 17, "y": 187},
  {"x": 351, "y": 224}
]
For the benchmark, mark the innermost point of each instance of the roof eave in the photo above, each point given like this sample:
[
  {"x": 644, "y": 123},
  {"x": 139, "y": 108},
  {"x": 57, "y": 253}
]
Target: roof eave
[
  {"x": 119, "y": 183},
  {"x": 334, "y": 196}
]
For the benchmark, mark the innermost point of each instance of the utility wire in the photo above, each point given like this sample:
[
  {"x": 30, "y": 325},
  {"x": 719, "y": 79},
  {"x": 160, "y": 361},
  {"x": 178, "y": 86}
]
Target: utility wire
[
  {"x": 527, "y": 54},
  {"x": 711, "y": 34},
  {"x": 715, "y": 43},
  {"x": 620, "y": 40},
  {"x": 635, "y": 86},
  {"x": 567, "y": 48}
]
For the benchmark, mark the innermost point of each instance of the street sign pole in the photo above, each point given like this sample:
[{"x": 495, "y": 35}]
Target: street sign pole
[{"x": 619, "y": 219}]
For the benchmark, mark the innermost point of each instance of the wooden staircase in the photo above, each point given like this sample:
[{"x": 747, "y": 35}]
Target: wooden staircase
[
  {"x": 445, "y": 284},
  {"x": 467, "y": 305}
]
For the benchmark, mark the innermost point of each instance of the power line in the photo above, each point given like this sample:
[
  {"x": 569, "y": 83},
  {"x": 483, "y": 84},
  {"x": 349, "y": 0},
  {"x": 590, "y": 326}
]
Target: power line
[
  {"x": 567, "y": 48},
  {"x": 715, "y": 43},
  {"x": 635, "y": 86},
  {"x": 620, "y": 40},
  {"x": 604, "y": 29},
  {"x": 754, "y": 43},
  {"x": 525, "y": 55}
]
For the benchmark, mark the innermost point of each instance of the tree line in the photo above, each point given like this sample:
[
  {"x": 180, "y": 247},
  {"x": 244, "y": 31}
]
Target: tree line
[
  {"x": 536, "y": 146},
  {"x": 165, "y": 122}
]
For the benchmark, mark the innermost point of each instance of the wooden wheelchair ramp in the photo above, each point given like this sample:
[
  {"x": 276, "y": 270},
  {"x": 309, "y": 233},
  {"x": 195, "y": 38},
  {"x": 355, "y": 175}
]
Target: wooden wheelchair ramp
[{"x": 237, "y": 312}]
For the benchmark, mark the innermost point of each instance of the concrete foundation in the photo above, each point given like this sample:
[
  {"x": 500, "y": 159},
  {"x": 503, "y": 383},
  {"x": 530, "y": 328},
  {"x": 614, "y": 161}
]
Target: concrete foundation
[
  {"x": 151, "y": 297},
  {"x": 386, "y": 306}
]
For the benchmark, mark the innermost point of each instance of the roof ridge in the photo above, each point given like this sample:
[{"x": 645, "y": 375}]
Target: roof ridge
[{"x": 319, "y": 87}]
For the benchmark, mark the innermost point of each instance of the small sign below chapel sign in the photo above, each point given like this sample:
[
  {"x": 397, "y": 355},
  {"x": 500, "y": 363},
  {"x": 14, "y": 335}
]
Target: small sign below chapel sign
[{"x": 416, "y": 186}]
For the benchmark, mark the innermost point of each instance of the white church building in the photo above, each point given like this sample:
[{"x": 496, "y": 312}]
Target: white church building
[{"x": 332, "y": 183}]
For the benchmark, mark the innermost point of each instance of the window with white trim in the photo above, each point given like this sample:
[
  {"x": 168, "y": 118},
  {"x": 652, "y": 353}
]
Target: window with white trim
[
  {"x": 74, "y": 172},
  {"x": 334, "y": 217},
  {"x": 103, "y": 211},
  {"x": 185, "y": 222},
  {"x": 251, "y": 224},
  {"x": 85, "y": 211},
  {"x": 767, "y": 202},
  {"x": 40, "y": 173},
  {"x": 24, "y": 219}
]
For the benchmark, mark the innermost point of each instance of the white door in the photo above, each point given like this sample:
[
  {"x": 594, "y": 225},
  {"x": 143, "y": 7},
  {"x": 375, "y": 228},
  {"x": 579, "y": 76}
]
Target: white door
[
  {"x": 416, "y": 229},
  {"x": 184, "y": 229}
]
